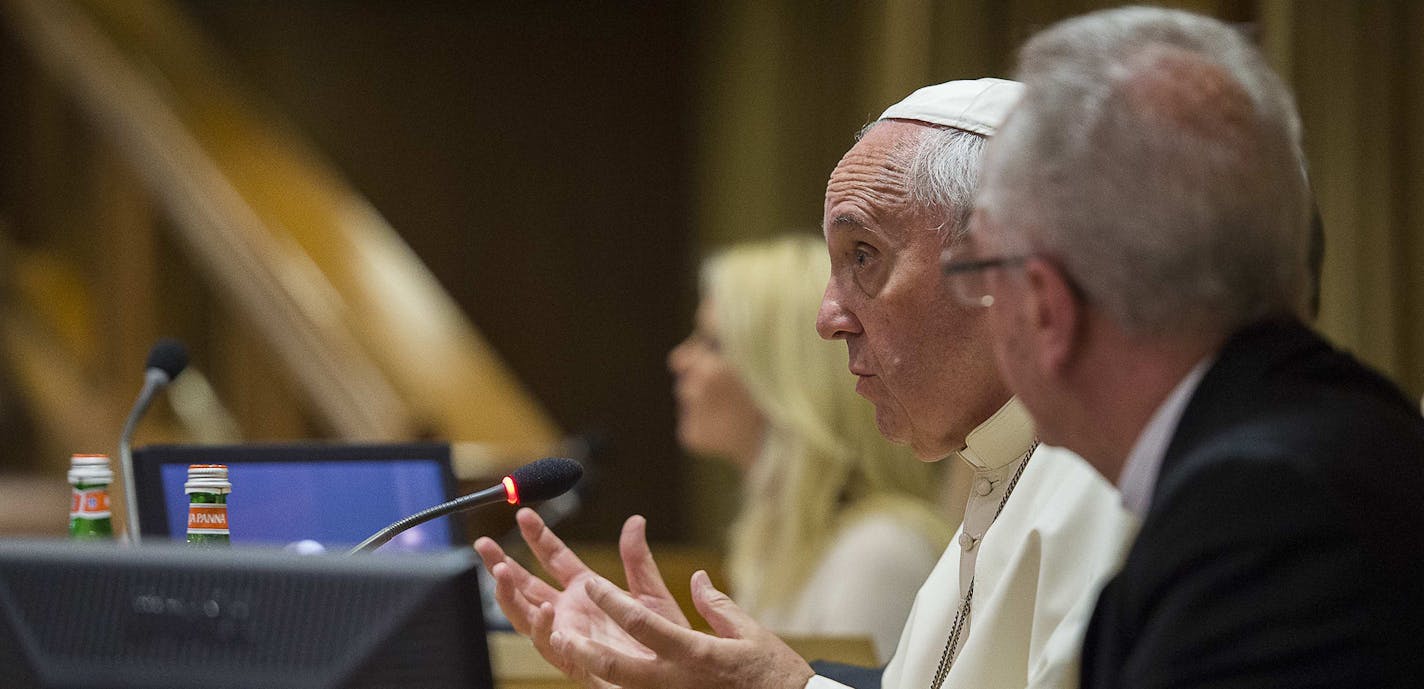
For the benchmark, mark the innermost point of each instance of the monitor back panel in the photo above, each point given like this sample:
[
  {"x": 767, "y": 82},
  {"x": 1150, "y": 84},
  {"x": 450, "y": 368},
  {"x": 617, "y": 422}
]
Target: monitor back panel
[{"x": 96, "y": 616}]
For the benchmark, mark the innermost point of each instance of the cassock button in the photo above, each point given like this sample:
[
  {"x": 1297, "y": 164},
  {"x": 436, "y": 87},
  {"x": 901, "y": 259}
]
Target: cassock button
[
  {"x": 966, "y": 542},
  {"x": 983, "y": 486}
]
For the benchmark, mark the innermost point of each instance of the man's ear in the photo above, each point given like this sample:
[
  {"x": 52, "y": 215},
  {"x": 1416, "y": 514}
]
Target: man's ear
[{"x": 1055, "y": 314}]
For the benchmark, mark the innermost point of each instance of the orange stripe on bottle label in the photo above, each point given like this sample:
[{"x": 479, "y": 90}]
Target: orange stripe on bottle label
[
  {"x": 89, "y": 504},
  {"x": 207, "y": 519}
]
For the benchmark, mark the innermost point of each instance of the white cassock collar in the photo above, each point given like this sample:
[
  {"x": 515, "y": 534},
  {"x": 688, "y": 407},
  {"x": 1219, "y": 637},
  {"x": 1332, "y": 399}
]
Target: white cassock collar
[{"x": 1001, "y": 439}]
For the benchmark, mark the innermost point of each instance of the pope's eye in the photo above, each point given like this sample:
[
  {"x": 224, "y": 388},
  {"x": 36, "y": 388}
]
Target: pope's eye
[{"x": 862, "y": 254}]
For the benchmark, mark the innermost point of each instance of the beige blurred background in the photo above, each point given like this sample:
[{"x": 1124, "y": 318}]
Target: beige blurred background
[{"x": 481, "y": 221}]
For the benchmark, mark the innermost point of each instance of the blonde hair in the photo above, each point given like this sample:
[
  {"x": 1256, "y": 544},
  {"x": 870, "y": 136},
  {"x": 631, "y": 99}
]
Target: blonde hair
[{"x": 823, "y": 457}]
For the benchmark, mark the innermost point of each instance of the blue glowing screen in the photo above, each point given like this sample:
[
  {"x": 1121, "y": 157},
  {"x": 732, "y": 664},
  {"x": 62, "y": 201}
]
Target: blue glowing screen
[{"x": 335, "y": 504}]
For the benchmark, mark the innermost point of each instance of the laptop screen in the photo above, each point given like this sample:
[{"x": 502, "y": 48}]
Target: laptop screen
[{"x": 305, "y": 497}]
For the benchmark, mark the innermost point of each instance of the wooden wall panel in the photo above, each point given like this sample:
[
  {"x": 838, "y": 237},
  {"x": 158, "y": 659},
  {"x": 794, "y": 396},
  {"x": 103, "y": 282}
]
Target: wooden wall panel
[{"x": 535, "y": 157}]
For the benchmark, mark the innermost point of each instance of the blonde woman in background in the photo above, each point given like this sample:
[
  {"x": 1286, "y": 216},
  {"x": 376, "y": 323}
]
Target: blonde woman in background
[{"x": 838, "y": 528}]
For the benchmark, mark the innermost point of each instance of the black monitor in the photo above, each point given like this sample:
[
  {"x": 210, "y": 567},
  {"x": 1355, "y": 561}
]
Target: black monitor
[
  {"x": 99, "y": 616},
  {"x": 305, "y": 494}
]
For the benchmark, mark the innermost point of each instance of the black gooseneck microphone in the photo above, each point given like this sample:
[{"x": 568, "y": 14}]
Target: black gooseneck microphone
[
  {"x": 538, "y": 480},
  {"x": 166, "y": 360}
]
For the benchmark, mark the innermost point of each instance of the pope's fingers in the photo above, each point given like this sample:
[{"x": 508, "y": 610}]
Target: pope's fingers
[
  {"x": 556, "y": 558},
  {"x": 532, "y": 587},
  {"x": 588, "y": 681},
  {"x": 663, "y": 637},
  {"x": 515, "y": 606},
  {"x": 491, "y": 555},
  {"x": 542, "y": 624},
  {"x": 645, "y": 582},
  {"x": 490, "y": 552},
  {"x": 606, "y": 664},
  {"x": 721, "y": 612},
  {"x": 543, "y": 628}
]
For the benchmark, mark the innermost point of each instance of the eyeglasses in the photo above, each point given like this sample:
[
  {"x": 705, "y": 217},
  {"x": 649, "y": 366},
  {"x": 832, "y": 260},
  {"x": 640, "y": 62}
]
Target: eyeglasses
[{"x": 967, "y": 277}]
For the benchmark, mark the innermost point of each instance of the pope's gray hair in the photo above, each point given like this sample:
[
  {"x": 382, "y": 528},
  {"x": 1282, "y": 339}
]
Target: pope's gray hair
[
  {"x": 1156, "y": 157},
  {"x": 943, "y": 174}
]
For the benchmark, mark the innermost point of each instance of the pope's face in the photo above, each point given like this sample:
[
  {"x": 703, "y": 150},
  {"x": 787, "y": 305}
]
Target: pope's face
[{"x": 924, "y": 360}]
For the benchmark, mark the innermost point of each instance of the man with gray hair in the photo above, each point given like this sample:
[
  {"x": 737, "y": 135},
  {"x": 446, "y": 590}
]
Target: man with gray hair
[
  {"x": 1005, "y": 606},
  {"x": 1139, "y": 248}
]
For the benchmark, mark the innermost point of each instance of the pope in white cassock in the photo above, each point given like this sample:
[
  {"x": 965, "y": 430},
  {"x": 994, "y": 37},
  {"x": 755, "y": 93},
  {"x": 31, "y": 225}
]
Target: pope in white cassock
[{"x": 1007, "y": 604}]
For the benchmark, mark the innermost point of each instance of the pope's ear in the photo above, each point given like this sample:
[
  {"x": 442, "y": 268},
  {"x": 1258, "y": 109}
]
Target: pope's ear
[{"x": 1055, "y": 313}]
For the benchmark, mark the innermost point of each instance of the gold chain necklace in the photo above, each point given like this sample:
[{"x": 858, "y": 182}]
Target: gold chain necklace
[{"x": 961, "y": 616}]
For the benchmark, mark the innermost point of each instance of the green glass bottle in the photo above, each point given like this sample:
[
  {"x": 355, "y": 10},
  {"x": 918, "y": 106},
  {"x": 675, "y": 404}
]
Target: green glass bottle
[
  {"x": 89, "y": 479},
  {"x": 207, "y": 489}
]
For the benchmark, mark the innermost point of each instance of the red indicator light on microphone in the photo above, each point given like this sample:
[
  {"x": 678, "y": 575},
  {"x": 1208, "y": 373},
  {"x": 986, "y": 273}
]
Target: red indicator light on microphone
[{"x": 511, "y": 491}]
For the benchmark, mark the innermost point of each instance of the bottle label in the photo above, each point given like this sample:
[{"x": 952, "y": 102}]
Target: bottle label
[
  {"x": 89, "y": 503},
  {"x": 208, "y": 519}
]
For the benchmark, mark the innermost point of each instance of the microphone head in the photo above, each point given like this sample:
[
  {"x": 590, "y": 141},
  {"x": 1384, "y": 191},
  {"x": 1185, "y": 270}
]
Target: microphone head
[
  {"x": 542, "y": 479},
  {"x": 167, "y": 355}
]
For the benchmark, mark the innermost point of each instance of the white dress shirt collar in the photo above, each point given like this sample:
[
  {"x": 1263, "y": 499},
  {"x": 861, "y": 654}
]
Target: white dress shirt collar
[{"x": 1139, "y": 473}]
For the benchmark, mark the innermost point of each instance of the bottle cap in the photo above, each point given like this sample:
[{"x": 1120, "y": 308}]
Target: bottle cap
[
  {"x": 207, "y": 478},
  {"x": 90, "y": 469}
]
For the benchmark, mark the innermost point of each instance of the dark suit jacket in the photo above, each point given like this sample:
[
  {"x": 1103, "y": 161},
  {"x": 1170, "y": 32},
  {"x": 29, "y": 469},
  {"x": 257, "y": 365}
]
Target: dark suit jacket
[{"x": 1284, "y": 546}]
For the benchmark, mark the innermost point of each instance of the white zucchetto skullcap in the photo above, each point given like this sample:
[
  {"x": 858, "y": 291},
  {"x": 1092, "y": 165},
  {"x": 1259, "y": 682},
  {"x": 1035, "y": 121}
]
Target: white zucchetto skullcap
[{"x": 974, "y": 105}]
